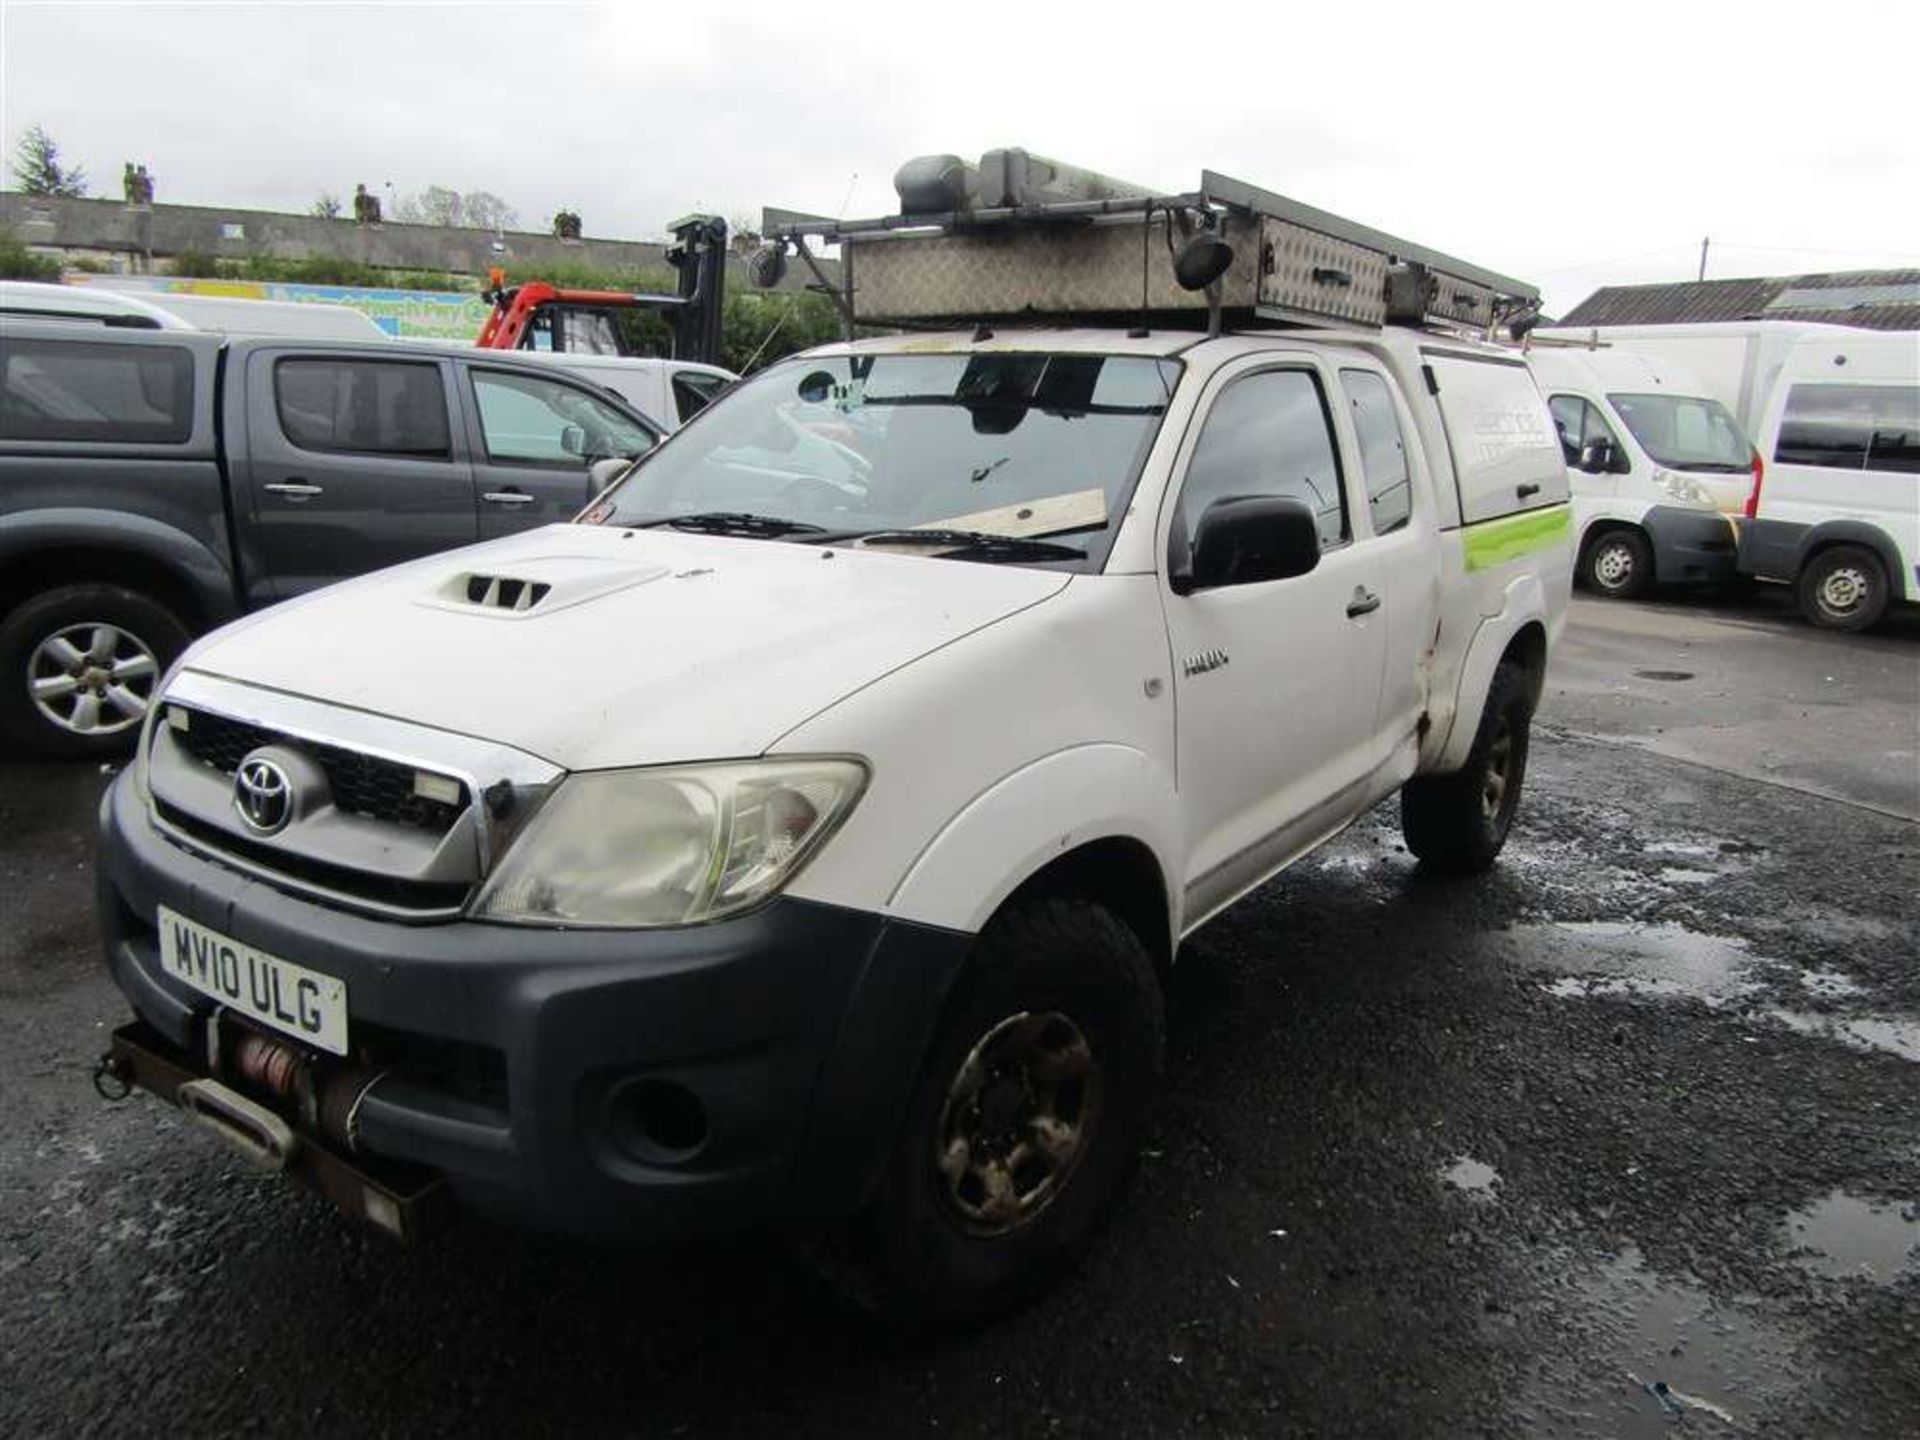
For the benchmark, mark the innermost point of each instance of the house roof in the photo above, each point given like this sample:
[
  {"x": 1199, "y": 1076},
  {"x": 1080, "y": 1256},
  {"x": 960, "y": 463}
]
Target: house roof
[{"x": 1870, "y": 299}]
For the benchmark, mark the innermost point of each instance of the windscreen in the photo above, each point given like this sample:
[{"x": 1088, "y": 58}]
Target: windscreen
[
  {"x": 1686, "y": 432},
  {"x": 1013, "y": 443}
]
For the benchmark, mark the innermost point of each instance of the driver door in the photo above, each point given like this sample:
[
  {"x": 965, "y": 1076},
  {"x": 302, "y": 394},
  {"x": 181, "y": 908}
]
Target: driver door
[{"x": 534, "y": 439}]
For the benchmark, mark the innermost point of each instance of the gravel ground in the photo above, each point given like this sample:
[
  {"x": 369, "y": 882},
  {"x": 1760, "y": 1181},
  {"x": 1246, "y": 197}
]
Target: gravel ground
[{"x": 1625, "y": 1132}]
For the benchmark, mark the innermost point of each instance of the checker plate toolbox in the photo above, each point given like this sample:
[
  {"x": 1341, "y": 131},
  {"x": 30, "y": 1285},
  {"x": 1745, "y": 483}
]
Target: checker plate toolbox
[{"x": 1018, "y": 237}]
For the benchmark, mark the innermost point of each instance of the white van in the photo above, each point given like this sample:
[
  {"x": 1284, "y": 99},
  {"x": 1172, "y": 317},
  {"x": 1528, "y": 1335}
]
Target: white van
[
  {"x": 238, "y": 315},
  {"x": 1737, "y": 360},
  {"x": 1835, "y": 510},
  {"x": 668, "y": 392},
  {"x": 164, "y": 310},
  {"x": 40, "y": 300},
  {"x": 1656, "y": 465}
]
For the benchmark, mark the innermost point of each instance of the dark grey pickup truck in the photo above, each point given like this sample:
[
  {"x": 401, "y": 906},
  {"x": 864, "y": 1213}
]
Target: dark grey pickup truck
[{"x": 157, "y": 483}]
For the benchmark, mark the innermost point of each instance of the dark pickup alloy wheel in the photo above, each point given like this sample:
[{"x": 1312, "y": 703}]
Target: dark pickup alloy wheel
[{"x": 80, "y": 667}]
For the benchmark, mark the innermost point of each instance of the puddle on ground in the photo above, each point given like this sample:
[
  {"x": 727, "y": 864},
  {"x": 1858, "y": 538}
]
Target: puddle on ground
[
  {"x": 1610, "y": 958},
  {"x": 1677, "y": 875},
  {"x": 1670, "y": 1358},
  {"x": 1474, "y": 1178},
  {"x": 1890, "y": 1034},
  {"x": 1829, "y": 984},
  {"x": 1844, "y": 1236}
]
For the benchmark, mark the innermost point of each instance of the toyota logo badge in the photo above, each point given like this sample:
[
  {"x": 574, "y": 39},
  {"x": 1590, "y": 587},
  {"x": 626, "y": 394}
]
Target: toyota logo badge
[{"x": 263, "y": 794}]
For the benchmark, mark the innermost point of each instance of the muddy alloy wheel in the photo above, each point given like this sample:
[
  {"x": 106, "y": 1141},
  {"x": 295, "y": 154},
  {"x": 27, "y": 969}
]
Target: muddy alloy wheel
[
  {"x": 1016, "y": 1121},
  {"x": 1455, "y": 824},
  {"x": 1025, "y": 1119},
  {"x": 1497, "y": 772}
]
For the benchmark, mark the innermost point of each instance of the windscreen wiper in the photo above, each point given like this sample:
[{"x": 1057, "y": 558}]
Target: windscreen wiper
[
  {"x": 733, "y": 522},
  {"x": 983, "y": 544}
]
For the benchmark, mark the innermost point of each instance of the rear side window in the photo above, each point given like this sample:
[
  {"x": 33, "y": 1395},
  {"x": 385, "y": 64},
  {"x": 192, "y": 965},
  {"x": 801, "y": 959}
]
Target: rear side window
[
  {"x": 119, "y": 394},
  {"x": 1499, "y": 435},
  {"x": 1851, "y": 427},
  {"x": 692, "y": 392},
  {"x": 1268, "y": 434},
  {"x": 1383, "y": 449},
  {"x": 363, "y": 407}
]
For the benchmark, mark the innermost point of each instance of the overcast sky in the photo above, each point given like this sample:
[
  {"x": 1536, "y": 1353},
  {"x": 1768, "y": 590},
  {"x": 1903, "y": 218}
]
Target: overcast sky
[{"x": 1570, "y": 145}]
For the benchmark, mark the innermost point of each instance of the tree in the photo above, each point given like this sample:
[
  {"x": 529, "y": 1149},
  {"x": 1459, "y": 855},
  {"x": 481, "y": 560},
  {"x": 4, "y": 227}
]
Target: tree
[
  {"x": 443, "y": 205},
  {"x": 36, "y": 167},
  {"x": 326, "y": 206},
  {"x": 487, "y": 211}
]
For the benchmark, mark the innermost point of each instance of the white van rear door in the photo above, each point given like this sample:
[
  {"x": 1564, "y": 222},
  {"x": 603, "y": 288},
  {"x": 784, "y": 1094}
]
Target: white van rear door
[{"x": 1506, "y": 457}]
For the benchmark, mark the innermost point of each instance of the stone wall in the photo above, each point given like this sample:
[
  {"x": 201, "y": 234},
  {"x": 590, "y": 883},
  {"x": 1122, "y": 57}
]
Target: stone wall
[{"x": 128, "y": 237}]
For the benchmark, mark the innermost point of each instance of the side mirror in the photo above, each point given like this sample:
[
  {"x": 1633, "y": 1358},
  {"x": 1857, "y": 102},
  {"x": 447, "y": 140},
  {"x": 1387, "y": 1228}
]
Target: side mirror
[
  {"x": 1249, "y": 539},
  {"x": 603, "y": 473},
  {"x": 1597, "y": 456},
  {"x": 573, "y": 440}
]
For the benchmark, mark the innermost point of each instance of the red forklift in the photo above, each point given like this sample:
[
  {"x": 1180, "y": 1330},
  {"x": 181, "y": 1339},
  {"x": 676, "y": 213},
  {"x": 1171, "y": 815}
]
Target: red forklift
[{"x": 537, "y": 316}]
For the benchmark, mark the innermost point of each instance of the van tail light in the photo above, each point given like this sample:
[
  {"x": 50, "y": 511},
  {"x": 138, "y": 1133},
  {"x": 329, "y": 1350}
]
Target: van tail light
[{"x": 1752, "y": 511}]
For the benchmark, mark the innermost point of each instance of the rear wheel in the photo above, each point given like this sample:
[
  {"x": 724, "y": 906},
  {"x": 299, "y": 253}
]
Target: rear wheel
[
  {"x": 1843, "y": 588},
  {"x": 1455, "y": 824},
  {"x": 79, "y": 667},
  {"x": 1619, "y": 565},
  {"x": 1025, "y": 1121}
]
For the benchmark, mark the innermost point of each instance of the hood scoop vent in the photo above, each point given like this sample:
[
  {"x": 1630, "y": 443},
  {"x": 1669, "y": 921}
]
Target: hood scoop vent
[
  {"x": 538, "y": 585},
  {"x": 502, "y": 592}
]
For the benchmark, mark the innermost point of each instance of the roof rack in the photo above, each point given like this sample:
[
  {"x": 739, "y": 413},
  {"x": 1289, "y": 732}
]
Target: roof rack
[{"x": 1022, "y": 237}]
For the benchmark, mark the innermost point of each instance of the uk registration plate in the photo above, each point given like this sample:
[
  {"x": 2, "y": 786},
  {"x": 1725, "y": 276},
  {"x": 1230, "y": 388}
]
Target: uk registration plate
[{"x": 303, "y": 1003}]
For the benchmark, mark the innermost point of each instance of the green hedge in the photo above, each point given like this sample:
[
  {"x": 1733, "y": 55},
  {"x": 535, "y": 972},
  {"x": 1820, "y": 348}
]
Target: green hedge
[{"x": 17, "y": 262}]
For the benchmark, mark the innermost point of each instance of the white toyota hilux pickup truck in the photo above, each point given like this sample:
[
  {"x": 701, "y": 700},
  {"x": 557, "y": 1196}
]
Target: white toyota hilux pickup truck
[{"x": 807, "y": 832}]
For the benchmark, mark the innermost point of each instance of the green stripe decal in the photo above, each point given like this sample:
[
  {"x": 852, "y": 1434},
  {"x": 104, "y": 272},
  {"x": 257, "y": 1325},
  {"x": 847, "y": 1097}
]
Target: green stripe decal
[{"x": 1495, "y": 542}]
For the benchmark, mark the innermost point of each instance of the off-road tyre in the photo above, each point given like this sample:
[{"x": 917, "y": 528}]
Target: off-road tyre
[
  {"x": 914, "y": 1255},
  {"x": 1618, "y": 565},
  {"x": 143, "y": 631},
  {"x": 1843, "y": 588},
  {"x": 1455, "y": 824}
]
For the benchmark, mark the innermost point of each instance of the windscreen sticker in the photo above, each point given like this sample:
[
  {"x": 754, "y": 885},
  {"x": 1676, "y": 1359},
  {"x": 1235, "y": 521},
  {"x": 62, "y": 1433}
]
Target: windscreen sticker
[{"x": 1027, "y": 519}]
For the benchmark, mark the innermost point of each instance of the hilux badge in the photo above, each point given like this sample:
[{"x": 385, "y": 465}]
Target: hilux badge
[
  {"x": 1206, "y": 660},
  {"x": 263, "y": 794}
]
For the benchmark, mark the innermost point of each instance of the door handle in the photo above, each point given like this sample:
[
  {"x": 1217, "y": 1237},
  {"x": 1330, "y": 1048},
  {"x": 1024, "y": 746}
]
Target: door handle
[
  {"x": 507, "y": 497},
  {"x": 1364, "y": 602},
  {"x": 294, "y": 489},
  {"x": 1523, "y": 491}
]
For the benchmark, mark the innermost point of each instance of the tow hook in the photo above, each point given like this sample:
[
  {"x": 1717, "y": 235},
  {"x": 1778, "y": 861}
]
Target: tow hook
[{"x": 112, "y": 1077}]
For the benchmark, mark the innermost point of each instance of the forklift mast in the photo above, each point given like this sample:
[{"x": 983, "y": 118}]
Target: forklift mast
[{"x": 534, "y": 307}]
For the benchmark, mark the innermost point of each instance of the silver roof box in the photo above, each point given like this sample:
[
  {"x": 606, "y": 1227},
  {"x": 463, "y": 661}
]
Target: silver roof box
[{"x": 1023, "y": 237}]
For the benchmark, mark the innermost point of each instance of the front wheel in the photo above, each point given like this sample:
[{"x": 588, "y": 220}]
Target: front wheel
[
  {"x": 1455, "y": 824},
  {"x": 1619, "y": 565},
  {"x": 79, "y": 666},
  {"x": 1026, "y": 1119},
  {"x": 1843, "y": 588}
]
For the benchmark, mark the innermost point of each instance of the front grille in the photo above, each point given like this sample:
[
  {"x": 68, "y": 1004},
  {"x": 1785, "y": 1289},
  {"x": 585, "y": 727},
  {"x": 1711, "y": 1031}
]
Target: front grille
[
  {"x": 357, "y": 884},
  {"x": 361, "y": 784}
]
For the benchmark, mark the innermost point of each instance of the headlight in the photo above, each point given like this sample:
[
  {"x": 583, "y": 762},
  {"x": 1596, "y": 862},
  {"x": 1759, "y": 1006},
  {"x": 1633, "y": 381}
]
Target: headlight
[
  {"x": 1682, "y": 487},
  {"x": 671, "y": 846}
]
